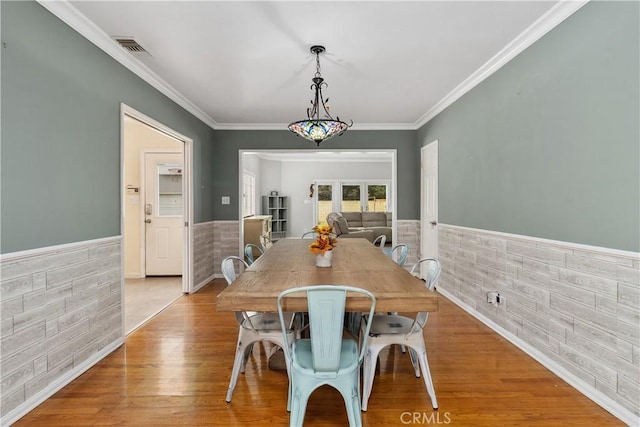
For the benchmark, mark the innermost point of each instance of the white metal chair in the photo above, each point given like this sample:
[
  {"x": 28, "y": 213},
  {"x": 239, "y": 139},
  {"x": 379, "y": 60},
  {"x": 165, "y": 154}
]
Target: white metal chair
[
  {"x": 381, "y": 240},
  {"x": 254, "y": 327},
  {"x": 265, "y": 242},
  {"x": 249, "y": 252},
  {"x": 427, "y": 269},
  {"x": 399, "y": 253},
  {"x": 389, "y": 329},
  {"x": 326, "y": 358}
]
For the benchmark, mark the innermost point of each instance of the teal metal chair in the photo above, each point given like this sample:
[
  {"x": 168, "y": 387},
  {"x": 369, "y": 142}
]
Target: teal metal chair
[
  {"x": 399, "y": 253},
  {"x": 254, "y": 326},
  {"x": 326, "y": 358},
  {"x": 249, "y": 252}
]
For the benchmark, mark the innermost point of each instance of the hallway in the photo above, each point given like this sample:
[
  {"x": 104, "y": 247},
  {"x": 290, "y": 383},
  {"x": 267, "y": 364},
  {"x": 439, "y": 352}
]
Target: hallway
[{"x": 146, "y": 297}]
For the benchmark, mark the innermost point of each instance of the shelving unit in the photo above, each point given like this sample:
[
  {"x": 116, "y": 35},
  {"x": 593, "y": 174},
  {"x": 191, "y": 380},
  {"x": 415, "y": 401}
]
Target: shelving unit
[{"x": 276, "y": 207}]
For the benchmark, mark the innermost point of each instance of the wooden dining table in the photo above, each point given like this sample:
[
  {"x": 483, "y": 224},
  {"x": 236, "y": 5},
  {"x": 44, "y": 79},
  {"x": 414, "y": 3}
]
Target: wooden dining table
[{"x": 289, "y": 263}]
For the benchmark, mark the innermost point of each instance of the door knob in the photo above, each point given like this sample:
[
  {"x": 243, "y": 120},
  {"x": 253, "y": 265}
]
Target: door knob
[
  {"x": 433, "y": 223},
  {"x": 148, "y": 221}
]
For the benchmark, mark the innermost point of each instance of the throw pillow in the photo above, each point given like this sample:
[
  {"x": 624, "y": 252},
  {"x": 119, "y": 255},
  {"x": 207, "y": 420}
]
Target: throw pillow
[{"x": 342, "y": 224}]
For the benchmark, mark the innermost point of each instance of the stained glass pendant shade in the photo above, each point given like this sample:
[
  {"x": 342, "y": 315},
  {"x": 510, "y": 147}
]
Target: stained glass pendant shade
[{"x": 314, "y": 128}]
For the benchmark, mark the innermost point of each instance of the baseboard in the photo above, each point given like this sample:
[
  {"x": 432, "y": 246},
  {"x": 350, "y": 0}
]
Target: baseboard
[
  {"x": 35, "y": 400},
  {"x": 200, "y": 285},
  {"x": 598, "y": 397}
]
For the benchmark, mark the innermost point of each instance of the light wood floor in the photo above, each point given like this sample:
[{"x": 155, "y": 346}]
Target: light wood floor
[{"x": 175, "y": 369}]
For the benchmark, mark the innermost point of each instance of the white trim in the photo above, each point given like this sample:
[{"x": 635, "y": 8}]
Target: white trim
[
  {"x": 64, "y": 10},
  {"x": 283, "y": 126},
  {"x": 225, "y": 221},
  {"x": 558, "y": 13},
  {"x": 206, "y": 281},
  {"x": 589, "y": 391},
  {"x": 35, "y": 400},
  {"x": 201, "y": 224},
  {"x": 13, "y": 256},
  {"x": 568, "y": 245}
]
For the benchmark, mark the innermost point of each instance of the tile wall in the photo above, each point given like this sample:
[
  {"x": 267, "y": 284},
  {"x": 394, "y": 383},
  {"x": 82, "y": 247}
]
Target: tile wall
[
  {"x": 579, "y": 306},
  {"x": 60, "y": 312}
]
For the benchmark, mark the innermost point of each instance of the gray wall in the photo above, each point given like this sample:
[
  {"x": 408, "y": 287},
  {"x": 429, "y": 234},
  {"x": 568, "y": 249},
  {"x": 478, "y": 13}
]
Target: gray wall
[
  {"x": 549, "y": 145},
  {"x": 60, "y": 161},
  {"x": 229, "y": 142}
]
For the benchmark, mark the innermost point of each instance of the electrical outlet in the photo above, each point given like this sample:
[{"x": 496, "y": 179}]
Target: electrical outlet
[
  {"x": 226, "y": 200},
  {"x": 493, "y": 297}
]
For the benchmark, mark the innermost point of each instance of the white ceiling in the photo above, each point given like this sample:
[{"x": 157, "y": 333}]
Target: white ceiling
[{"x": 247, "y": 65}]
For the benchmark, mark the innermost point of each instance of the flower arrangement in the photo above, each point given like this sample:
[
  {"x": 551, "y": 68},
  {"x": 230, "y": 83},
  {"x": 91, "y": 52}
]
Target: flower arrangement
[{"x": 325, "y": 240}]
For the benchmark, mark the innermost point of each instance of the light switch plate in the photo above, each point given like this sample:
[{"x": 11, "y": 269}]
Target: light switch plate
[{"x": 226, "y": 200}]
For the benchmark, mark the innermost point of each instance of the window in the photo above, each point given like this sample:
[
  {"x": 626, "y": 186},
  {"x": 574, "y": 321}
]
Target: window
[
  {"x": 377, "y": 198},
  {"x": 324, "y": 202},
  {"x": 248, "y": 194},
  {"x": 369, "y": 196}
]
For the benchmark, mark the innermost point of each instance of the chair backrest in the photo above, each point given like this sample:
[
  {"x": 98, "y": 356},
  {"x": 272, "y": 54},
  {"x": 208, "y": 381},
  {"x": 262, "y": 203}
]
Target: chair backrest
[
  {"x": 265, "y": 242},
  {"x": 399, "y": 253},
  {"x": 431, "y": 277},
  {"x": 309, "y": 235},
  {"x": 248, "y": 252},
  {"x": 229, "y": 268},
  {"x": 326, "y": 305},
  {"x": 380, "y": 241},
  {"x": 229, "y": 272},
  {"x": 432, "y": 267}
]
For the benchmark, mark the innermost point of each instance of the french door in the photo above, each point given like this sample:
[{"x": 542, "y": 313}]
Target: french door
[
  {"x": 350, "y": 196},
  {"x": 367, "y": 196}
]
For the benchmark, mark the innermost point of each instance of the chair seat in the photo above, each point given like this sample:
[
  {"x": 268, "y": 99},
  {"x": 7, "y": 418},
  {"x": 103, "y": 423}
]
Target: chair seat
[
  {"x": 267, "y": 322},
  {"x": 302, "y": 357},
  {"x": 390, "y": 324}
]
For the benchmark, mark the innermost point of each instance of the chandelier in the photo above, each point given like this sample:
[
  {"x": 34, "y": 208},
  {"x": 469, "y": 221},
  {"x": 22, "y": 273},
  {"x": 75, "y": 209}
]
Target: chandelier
[{"x": 314, "y": 128}]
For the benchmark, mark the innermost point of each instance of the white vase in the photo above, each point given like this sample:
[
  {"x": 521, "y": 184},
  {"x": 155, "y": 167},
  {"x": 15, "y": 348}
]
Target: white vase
[{"x": 324, "y": 260}]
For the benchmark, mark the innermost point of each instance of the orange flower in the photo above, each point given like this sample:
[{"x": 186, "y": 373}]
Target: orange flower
[{"x": 325, "y": 240}]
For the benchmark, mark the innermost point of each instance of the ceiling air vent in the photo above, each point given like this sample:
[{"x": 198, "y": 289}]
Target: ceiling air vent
[{"x": 132, "y": 46}]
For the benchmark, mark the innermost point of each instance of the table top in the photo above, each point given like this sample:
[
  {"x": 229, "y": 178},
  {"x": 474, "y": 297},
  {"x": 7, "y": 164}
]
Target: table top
[{"x": 356, "y": 262}]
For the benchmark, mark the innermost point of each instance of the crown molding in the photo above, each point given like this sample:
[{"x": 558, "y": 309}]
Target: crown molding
[
  {"x": 557, "y": 14},
  {"x": 65, "y": 11},
  {"x": 283, "y": 126},
  {"x": 76, "y": 20}
]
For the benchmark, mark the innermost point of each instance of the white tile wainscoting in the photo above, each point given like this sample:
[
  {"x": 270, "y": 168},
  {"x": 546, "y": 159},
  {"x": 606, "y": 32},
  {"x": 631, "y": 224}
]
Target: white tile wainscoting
[
  {"x": 60, "y": 313},
  {"x": 203, "y": 253},
  {"x": 226, "y": 235},
  {"x": 409, "y": 233},
  {"x": 574, "y": 308}
]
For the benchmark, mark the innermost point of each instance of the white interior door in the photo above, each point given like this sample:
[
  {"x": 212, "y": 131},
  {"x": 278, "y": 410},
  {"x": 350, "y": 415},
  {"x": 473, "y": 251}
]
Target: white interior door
[
  {"x": 164, "y": 210},
  {"x": 429, "y": 200}
]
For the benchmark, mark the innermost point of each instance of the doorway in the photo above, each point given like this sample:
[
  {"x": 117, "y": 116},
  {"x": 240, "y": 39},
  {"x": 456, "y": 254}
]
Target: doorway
[
  {"x": 304, "y": 175},
  {"x": 156, "y": 217}
]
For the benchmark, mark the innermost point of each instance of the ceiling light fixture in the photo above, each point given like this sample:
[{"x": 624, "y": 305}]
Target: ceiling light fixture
[{"x": 314, "y": 128}]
